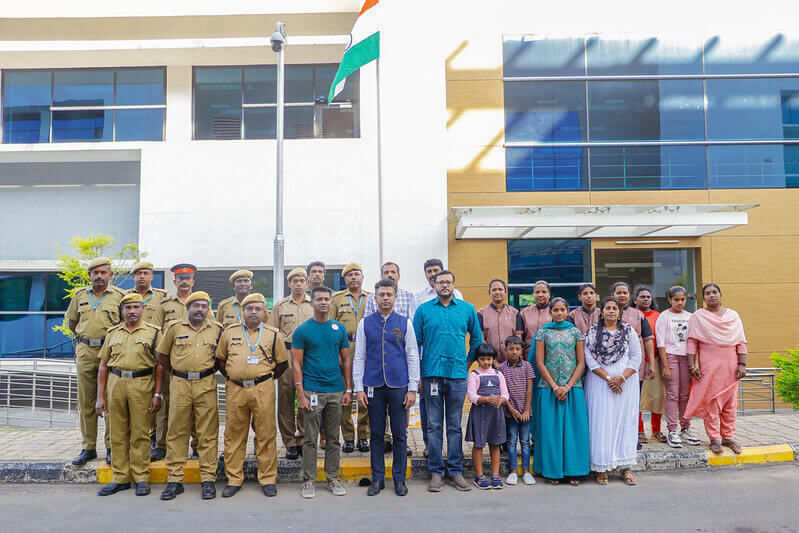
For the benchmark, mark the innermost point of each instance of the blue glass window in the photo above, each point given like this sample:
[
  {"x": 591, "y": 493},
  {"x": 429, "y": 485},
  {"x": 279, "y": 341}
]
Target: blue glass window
[
  {"x": 648, "y": 167},
  {"x": 740, "y": 109},
  {"x": 551, "y": 111},
  {"x": 560, "y": 168},
  {"x": 83, "y": 88},
  {"x": 752, "y": 166},
  {"x": 533, "y": 56},
  {"x": 740, "y": 53},
  {"x": 26, "y": 107},
  {"x": 629, "y": 57},
  {"x": 566, "y": 263}
]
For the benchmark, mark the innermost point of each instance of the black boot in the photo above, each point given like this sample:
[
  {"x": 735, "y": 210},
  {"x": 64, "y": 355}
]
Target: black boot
[
  {"x": 389, "y": 446},
  {"x": 112, "y": 488},
  {"x": 84, "y": 457},
  {"x": 142, "y": 488},
  {"x": 375, "y": 488},
  {"x": 230, "y": 490},
  {"x": 363, "y": 445},
  {"x": 172, "y": 489},
  {"x": 349, "y": 446},
  {"x": 292, "y": 453},
  {"x": 270, "y": 490},
  {"x": 157, "y": 454},
  {"x": 209, "y": 490},
  {"x": 400, "y": 489}
]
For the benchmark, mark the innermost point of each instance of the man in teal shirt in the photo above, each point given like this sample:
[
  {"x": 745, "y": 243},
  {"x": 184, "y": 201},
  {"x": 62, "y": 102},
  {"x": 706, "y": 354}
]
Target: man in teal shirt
[
  {"x": 320, "y": 353},
  {"x": 441, "y": 326}
]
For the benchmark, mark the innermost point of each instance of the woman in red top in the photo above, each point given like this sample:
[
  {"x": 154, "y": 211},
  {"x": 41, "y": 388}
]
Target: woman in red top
[{"x": 652, "y": 392}]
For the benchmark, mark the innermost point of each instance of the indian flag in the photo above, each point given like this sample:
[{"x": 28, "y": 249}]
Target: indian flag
[{"x": 364, "y": 47}]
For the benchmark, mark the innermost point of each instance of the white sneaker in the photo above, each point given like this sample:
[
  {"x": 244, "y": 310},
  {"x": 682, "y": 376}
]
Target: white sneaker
[
  {"x": 528, "y": 479},
  {"x": 688, "y": 436},
  {"x": 512, "y": 479},
  {"x": 674, "y": 439}
]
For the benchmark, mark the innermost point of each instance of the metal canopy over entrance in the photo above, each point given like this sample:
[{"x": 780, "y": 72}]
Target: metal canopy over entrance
[{"x": 595, "y": 221}]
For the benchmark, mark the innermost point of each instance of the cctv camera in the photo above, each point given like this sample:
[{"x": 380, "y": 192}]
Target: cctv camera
[{"x": 278, "y": 41}]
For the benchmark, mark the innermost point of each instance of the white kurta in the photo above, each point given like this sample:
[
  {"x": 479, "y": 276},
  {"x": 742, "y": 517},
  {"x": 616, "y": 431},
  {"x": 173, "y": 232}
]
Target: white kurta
[{"x": 612, "y": 417}]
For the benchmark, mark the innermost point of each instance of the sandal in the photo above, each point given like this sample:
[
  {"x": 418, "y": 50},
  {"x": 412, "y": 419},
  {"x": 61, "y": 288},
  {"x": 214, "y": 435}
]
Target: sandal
[
  {"x": 642, "y": 438},
  {"x": 715, "y": 447},
  {"x": 732, "y": 445},
  {"x": 628, "y": 477},
  {"x": 574, "y": 482},
  {"x": 602, "y": 478},
  {"x": 554, "y": 482},
  {"x": 659, "y": 437}
]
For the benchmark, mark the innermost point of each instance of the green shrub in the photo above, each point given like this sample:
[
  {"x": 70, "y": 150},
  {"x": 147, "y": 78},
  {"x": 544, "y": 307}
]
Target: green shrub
[{"x": 787, "y": 381}]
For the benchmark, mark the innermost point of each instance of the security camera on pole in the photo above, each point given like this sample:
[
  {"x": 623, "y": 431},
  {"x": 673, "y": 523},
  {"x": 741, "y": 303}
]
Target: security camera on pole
[{"x": 278, "y": 43}]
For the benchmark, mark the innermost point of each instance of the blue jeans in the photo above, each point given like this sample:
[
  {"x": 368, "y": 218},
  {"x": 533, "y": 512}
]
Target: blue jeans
[
  {"x": 423, "y": 418},
  {"x": 518, "y": 432},
  {"x": 447, "y": 406},
  {"x": 386, "y": 400}
]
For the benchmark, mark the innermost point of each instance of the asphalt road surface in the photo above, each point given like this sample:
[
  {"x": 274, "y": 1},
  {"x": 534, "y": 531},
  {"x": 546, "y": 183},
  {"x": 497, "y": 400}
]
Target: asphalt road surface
[{"x": 752, "y": 499}]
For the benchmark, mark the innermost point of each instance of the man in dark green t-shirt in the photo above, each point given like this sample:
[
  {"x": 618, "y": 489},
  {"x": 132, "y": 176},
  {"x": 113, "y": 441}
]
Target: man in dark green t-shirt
[{"x": 321, "y": 364}]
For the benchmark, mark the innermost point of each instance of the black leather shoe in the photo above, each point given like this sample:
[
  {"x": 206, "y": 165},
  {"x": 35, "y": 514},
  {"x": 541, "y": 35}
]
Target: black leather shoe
[
  {"x": 389, "y": 446},
  {"x": 84, "y": 457},
  {"x": 112, "y": 488},
  {"x": 270, "y": 490},
  {"x": 108, "y": 456},
  {"x": 209, "y": 490},
  {"x": 157, "y": 454},
  {"x": 230, "y": 490},
  {"x": 194, "y": 454},
  {"x": 363, "y": 445},
  {"x": 349, "y": 446},
  {"x": 292, "y": 453},
  {"x": 142, "y": 488},
  {"x": 400, "y": 489},
  {"x": 172, "y": 490},
  {"x": 375, "y": 488}
]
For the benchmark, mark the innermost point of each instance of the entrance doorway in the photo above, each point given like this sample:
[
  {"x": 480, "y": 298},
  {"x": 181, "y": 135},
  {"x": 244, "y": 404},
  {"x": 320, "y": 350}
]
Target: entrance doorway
[{"x": 659, "y": 269}]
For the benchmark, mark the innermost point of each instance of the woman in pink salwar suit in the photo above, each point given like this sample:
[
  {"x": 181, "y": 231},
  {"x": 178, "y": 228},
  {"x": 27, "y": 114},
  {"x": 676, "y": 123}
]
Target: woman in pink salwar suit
[{"x": 716, "y": 350}]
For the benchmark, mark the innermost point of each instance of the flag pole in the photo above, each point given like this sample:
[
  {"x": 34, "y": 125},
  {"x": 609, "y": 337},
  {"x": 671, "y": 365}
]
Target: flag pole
[{"x": 379, "y": 167}]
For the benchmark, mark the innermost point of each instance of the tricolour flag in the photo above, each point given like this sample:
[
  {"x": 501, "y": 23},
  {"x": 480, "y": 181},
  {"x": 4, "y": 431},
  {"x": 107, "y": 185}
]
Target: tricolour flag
[{"x": 364, "y": 47}]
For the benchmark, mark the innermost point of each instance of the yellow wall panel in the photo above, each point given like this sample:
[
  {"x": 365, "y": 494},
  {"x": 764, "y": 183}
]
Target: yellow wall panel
[
  {"x": 476, "y": 261},
  {"x": 464, "y": 198},
  {"x": 648, "y": 197},
  {"x": 475, "y": 113},
  {"x": 742, "y": 259},
  {"x": 767, "y": 219}
]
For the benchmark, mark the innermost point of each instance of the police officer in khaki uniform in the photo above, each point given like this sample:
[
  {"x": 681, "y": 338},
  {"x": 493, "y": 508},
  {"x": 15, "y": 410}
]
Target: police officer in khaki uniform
[
  {"x": 186, "y": 351},
  {"x": 126, "y": 390},
  {"x": 152, "y": 298},
  {"x": 171, "y": 308},
  {"x": 91, "y": 313},
  {"x": 251, "y": 355},
  {"x": 229, "y": 310},
  {"x": 287, "y": 314},
  {"x": 348, "y": 308}
]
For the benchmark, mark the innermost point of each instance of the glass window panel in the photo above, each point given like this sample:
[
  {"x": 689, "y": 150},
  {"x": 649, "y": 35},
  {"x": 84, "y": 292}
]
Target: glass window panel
[
  {"x": 299, "y": 122},
  {"x": 745, "y": 53},
  {"x": 299, "y": 83},
  {"x": 260, "y": 85},
  {"x": 751, "y": 166},
  {"x": 546, "y": 169},
  {"x": 86, "y": 125},
  {"x": 534, "y": 56},
  {"x": 545, "y": 111},
  {"x": 56, "y": 291},
  {"x": 553, "y": 260},
  {"x": 22, "y": 292},
  {"x": 324, "y": 75},
  {"x": 740, "y": 109},
  {"x": 339, "y": 123},
  {"x": 217, "y": 103},
  {"x": 22, "y": 335},
  {"x": 646, "y": 110},
  {"x": 140, "y": 86},
  {"x": 648, "y": 167},
  {"x": 139, "y": 125},
  {"x": 58, "y": 344},
  {"x": 83, "y": 88},
  {"x": 26, "y": 107},
  {"x": 609, "y": 56},
  {"x": 791, "y": 155},
  {"x": 260, "y": 122}
]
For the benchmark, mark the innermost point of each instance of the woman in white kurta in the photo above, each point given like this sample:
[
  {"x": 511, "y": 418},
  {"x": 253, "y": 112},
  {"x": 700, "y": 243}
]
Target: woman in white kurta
[{"x": 613, "y": 355}]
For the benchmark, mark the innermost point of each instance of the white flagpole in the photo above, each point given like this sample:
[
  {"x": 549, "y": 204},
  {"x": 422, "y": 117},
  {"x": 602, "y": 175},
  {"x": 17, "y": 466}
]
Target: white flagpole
[{"x": 379, "y": 168}]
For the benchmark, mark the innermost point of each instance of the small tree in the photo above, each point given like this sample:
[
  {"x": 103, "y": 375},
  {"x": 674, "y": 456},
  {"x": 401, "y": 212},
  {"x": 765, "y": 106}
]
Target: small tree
[
  {"x": 787, "y": 381},
  {"x": 72, "y": 266}
]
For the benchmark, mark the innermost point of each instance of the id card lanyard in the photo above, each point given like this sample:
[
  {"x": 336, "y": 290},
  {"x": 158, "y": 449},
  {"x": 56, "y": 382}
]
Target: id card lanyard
[
  {"x": 257, "y": 341},
  {"x": 352, "y": 303},
  {"x": 91, "y": 299}
]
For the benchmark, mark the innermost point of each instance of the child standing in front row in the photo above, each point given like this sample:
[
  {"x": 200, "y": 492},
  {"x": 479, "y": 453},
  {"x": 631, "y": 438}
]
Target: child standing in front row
[
  {"x": 519, "y": 376},
  {"x": 488, "y": 392}
]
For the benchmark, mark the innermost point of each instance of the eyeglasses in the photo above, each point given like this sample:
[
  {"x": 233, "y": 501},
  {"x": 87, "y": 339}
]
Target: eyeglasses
[{"x": 445, "y": 283}]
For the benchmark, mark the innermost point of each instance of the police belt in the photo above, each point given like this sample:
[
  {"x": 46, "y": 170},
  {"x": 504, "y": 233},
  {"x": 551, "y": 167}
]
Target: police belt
[
  {"x": 252, "y": 382},
  {"x": 130, "y": 374},
  {"x": 193, "y": 376},
  {"x": 94, "y": 343}
]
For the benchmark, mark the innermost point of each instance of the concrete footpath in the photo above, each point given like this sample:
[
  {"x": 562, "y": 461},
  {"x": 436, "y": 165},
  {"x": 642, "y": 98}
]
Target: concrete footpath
[{"x": 30, "y": 455}]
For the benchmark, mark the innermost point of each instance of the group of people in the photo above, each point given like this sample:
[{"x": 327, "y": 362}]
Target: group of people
[{"x": 546, "y": 375}]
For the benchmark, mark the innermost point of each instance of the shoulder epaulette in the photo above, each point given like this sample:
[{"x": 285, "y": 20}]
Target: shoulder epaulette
[
  {"x": 118, "y": 326},
  {"x": 231, "y": 325}
]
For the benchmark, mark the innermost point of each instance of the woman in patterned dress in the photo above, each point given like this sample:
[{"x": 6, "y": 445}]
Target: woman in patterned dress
[{"x": 561, "y": 419}]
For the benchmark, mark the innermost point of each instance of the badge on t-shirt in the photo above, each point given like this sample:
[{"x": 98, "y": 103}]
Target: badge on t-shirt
[
  {"x": 252, "y": 359},
  {"x": 314, "y": 399},
  {"x": 334, "y": 326}
]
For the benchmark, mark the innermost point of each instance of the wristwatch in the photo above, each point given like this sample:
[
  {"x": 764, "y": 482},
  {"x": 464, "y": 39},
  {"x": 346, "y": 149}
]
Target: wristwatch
[
  {"x": 158, "y": 395},
  {"x": 350, "y": 392},
  {"x": 607, "y": 377}
]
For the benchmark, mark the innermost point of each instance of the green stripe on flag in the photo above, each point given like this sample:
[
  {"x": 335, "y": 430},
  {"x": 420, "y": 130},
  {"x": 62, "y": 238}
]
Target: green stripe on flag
[{"x": 353, "y": 59}]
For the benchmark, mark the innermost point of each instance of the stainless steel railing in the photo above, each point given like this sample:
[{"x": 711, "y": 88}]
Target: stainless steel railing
[{"x": 756, "y": 390}]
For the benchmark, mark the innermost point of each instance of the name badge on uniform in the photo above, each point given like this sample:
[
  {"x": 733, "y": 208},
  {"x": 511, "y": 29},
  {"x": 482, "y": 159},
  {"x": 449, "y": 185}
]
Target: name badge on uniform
[
  {"x": 434, "y": 388},
  {"x": 314, "y": 400},
  {"x": 370, "y": 392},
  {"x": 252, "y": 359}
]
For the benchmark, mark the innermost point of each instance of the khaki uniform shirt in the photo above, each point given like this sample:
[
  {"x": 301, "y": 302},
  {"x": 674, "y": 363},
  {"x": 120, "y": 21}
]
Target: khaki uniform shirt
[
  {"x": 95, "y": 316},
  {"x": 153, "y": 299},
  {"x": 190, "y": 350},
  {"x": 348, "y": 309},
  {"x": 170, "y": 309},
  {"x": 131, "y": 350},
  {"x": 241, "y": 363},
  {"x": 288, "y": 314},
  {"x": 229, "y": 312}
]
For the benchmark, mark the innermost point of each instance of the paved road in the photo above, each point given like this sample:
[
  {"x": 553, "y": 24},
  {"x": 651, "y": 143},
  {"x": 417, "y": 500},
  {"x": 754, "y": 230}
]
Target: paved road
[{"x": 754, "y": 499}]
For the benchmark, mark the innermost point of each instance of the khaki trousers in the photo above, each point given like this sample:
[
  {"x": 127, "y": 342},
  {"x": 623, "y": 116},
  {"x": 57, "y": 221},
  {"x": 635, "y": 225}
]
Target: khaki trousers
[
  {"x": 348, "y": 429},
  {"x": 329, "y": 410},
  {"x": 128, "y": 402},
  {"x": 289, "y": 418},
  {"x": 242, "y": 404},
  {"x": 192, "y": 402},
  {"x": 87, "y": 364}
]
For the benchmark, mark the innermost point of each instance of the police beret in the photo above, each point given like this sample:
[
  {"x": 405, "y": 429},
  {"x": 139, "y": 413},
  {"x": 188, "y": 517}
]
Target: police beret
[
  {"x": 141, "y": 265},
  {"x": 184, "y": 268},
  {"x": 131, "y": 297},
  {"x": 98, "y": 262},
  {"x": 253, "y": 298},
  {"x": 241, "y": 274},
  {"x": 297, "y": 272},
  {"x": 196, "y": 296},
  {"x": 349, "y": 268}
]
